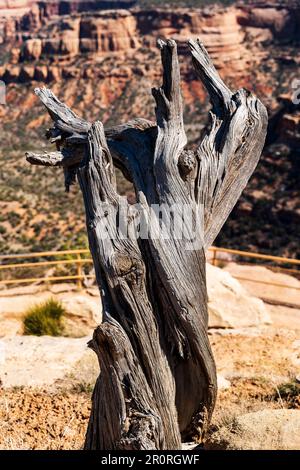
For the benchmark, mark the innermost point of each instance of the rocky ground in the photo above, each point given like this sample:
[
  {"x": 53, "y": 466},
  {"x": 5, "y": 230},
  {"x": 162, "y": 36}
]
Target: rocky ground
[
  {"x": 254, "y": 365},
  {"x": 46, "y": 383}
]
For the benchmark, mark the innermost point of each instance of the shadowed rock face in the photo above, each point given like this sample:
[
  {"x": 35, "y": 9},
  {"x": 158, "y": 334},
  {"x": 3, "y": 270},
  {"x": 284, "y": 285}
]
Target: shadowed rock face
[
  {"x": 67, "y": 7},
  {"x": 60, "y": 7}
]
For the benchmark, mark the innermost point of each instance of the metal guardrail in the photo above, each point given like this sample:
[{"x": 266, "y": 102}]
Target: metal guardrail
[
  {"x": 78, "y": 261},
  {"x": 82, "y": 257},
  {"x": 260, "y": 256}
]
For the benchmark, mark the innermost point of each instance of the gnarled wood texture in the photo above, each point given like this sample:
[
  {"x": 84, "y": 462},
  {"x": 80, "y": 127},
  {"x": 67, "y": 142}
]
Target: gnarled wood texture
[{"x": 157, "y": 381}]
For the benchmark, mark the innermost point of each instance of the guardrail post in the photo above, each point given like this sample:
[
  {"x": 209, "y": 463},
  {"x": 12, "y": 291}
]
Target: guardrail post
[
  {"x": 214, "y": 260},
  {"x": 79, "y": 272}
]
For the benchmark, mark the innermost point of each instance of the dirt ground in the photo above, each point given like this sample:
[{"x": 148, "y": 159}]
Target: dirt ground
[
  {"x": 41, "y": 420},
  {"x": 260, "y": 366}
]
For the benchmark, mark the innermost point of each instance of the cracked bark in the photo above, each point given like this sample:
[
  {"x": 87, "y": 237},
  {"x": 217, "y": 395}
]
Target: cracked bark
[{"x": 157, "y": 382}]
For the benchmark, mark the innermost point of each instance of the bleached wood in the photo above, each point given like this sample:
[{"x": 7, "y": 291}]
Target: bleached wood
[
  {"x": 230, "y": 151},
  {"x": 157, "y": 382}
]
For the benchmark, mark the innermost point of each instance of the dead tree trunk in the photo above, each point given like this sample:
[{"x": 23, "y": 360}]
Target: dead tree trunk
[{"x": 157, "y": 383}]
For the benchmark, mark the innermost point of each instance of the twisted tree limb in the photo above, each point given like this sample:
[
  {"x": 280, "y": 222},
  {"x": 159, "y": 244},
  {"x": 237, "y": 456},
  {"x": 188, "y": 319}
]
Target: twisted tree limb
[
  {"x": 230, "y": 152},
  {"x": 157, "y": 382}
]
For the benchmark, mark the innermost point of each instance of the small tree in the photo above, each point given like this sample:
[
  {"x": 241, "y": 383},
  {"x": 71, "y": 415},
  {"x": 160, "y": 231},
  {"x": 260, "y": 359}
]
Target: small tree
[{"x": 157, "y": 383}]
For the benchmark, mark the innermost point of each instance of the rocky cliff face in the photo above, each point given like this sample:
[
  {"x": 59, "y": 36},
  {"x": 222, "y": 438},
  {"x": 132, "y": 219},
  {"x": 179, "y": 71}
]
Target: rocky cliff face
[
  {"x": 104, "y": 62},
  {"x": 279, "y": 20},
  {"x": 105, "y": 32},
  {"x": 42, "y": 36},
  {"x": 28, "y": 15},
  {"x": 15, "y": 8},
  {"x": 10, "y": 12}
]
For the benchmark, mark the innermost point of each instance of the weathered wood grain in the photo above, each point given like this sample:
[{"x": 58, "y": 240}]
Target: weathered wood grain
[{"x": 157, "y": 382}]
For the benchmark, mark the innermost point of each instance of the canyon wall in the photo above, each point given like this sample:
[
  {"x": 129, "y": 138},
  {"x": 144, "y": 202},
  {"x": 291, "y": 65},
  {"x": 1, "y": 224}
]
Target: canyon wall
[
  {"x": 15, "y": 8},
  {"x": 277, "y": 20},
  {"x": 103, "y": 63},
  {"x": 43, "y": 39},
  {"x": 19, "y": 15}
]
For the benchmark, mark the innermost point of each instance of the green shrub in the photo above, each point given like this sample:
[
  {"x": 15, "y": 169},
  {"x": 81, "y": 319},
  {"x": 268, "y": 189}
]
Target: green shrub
[
  {"x": 44, "y": 319},
  {"x": 289, "y": 390}
]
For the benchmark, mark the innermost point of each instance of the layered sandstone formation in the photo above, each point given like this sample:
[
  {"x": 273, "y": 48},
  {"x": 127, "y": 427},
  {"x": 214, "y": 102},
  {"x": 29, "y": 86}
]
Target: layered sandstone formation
[
  {"x": 218, "y": 29},
  {"x": 19, "y": 15},
  {"x": 61, "y": 39},
  {"x": 49, "y": 8},
  {"x": 42, "y": 36},
  {"x": 66, "y": 7},
  {"x": 15, "y": 8},
  {"x": 10, "y": 12},
  {"x": 276, "y": 20}
]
